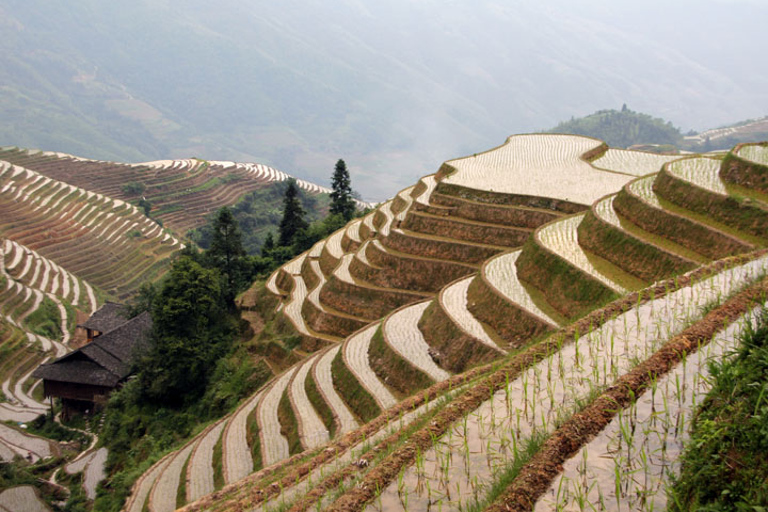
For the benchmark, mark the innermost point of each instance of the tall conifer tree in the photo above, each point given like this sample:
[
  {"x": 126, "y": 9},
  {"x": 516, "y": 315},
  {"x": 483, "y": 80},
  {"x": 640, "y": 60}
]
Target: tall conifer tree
[
  {"x": 293, "y": 215},
  {"x": 341, "y": 196}
]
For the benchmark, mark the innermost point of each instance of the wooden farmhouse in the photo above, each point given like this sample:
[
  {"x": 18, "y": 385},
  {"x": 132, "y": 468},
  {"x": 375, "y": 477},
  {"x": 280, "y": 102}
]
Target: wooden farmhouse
[{"x": 84, "y": 378}]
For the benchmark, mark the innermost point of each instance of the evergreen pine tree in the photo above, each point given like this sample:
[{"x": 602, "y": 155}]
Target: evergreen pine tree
[
  {"x": 226, "y": 252},
  {"x": 341, "y": 196},
  {"x": 269, "y": 244},
  {"x": 293, "y": 215}
]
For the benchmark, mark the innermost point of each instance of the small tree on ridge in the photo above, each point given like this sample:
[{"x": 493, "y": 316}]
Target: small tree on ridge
[{"x": 341, "y": 196}]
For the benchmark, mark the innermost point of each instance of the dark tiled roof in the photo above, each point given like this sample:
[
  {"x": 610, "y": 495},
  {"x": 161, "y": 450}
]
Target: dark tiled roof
[
  {"x": 108, "y": 317},
  {"x": 106, "y": 360}
]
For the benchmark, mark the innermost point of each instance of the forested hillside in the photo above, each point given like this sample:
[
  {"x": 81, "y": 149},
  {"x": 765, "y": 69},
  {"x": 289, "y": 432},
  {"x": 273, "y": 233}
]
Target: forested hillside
[{"x": 623, "y": 128}]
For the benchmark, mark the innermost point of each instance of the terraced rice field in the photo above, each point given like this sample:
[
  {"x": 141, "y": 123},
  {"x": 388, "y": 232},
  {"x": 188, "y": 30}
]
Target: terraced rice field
[
  {"x": 561, "y": 238},
  {"x": 540, "y": 165},
  {"x": 402, "y": 334},
  {"x": 162, "y": 498},
  {"x": 453, "y": 299},
  {"x": 23, "y": 498},
  {"x": 604, "y": 210},
  {"x": 293, "y": 308},
  {"x": 460, "y": 465},
  {"x": 182, "y": 191},
  {"x": 755, "y": 153},
  {"x": 636, "y": 163},
  {"x": 92, "y": 467},
  {"x": 702, "y": 172},
  {"x": 321, "y": 372},
  {"x": 89, "y": 235},
  {"x": 236, "y": 455},
  {"x": 200, "y": 479},
  {"x": 628, "y": 465},
  {"x": 356, "y": 358},
  {"x": 274, "y": 446},
  {"x": 431, "y": 184},
  {"x": 501, "y": 273},
  {"x": 22, "y": 444},
  {"x": 312, "y": 430},
  {"x": 643, "y": 188}
]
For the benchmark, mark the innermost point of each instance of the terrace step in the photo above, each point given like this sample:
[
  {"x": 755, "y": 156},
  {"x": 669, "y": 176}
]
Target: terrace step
[
  {"x": 439, "y": 247},
  {"x": 321, "y": 372},
  {"x": 572, "y": 280},
  {"x": 531, "y": 401},
  {"x": 383, "y": 218},
  {"x": 638, "y": 203},
  {"x": 380, "y": 266},
  {"x": 355, "y": 297},
  {"x": 746, "y": 167},
  {"x": 162, "y": 498},
  {"x": 465, "y": 230},
  {"x": 323, "y": 319},
  {"x": 695, "y": 184},
  {"x": 453, "y": 300},
  {"x": 636, "y": 163},
  {"x": 351, "y": 239},
  {"x": 200, "y": 478},
  {"x": 655, "y": 434},
  {"x": 312, "y": 431},
  {"x": 401, "y": 333},
  {"x": 236, "y": 459},
  {"x": 354, "y": 353},
  {"x": 629, "y": 247},
  {"x": 274, "y": 446}
]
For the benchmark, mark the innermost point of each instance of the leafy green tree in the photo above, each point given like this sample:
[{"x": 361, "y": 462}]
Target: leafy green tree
[
  {"x": 191, "y": 331},
  {"x": 293, "y": 215},
  {"x": 342, "y": 201},
  {"x": 269, "y": 245},
  {"x": 227, "y": 254}
]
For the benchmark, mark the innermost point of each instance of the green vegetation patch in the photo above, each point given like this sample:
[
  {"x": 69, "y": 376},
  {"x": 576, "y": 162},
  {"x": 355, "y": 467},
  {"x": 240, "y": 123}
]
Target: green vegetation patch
[
  {"x": 621, "y": 129},
  {"x": 740, "y": 171},
  {"x": 740, "y": 213},
  {"x": 725, "y": 463},
  {"x": 457, "y": 350},
  {"x": 45, "y": 320},
  {"x": 681, "y": 230},
  {"x": 181, "y": 490},
  {"x": 218, "y": 463},
  {"x": 391, "y": 368},
  {"x": 318, "y": 402},
  {"x": 515, "y": 325},
  {"x": 360, "y": 402},
  {"x": 569, "y": 290},
  {"x": 644, "y": 261},
  {"x": 289, "y": 424}
]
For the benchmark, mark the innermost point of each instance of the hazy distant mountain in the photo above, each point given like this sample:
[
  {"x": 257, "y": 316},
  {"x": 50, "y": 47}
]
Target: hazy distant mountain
[{"x": 394, "y": 89}]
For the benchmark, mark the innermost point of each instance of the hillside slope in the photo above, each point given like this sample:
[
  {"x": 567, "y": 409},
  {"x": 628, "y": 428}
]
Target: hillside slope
[
  {"x": 70, "y": 238},
  {"x": 459, "y": 325}
]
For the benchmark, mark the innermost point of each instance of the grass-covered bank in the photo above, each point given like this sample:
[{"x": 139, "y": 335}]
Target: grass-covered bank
[{"x": 725, "y": 465}]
